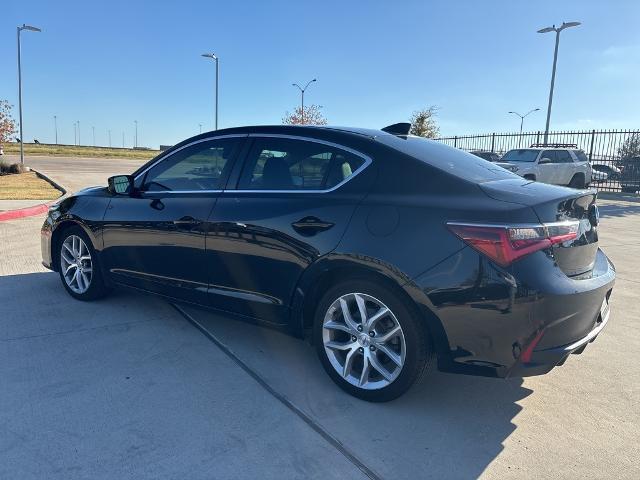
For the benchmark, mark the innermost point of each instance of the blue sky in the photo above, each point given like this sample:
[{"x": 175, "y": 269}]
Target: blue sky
[{"x": 108, "y": 63}]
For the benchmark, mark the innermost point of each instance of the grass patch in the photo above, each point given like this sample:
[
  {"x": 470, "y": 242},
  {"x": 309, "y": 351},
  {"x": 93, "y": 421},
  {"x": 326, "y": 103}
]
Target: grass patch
[
  {"x": 26, "y": 186},
  {"x": 79, "y": 151}
]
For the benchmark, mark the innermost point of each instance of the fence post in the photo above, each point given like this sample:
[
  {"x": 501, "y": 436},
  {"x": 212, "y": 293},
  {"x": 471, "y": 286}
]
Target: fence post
[
  {"x": 538, "y": 137},
  {"x": 455, "y": 141},
  {"x": 493, "y": 142},
  {"x": 593, "y": 136}
]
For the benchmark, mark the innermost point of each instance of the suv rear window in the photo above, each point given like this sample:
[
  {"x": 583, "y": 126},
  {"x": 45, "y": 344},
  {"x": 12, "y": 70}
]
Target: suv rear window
[{"x": 451, "y": 160}]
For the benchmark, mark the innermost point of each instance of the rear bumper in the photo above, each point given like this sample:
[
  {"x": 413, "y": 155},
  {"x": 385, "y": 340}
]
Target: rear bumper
[
  {"x": 543, "y": 361},
  {"x": 491, "y": 316}
]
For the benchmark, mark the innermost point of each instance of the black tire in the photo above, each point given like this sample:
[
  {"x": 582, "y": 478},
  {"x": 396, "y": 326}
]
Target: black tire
[
  {"x": 577, "y": 181},
  {"x": 530, "y": 177},
  {"x": 418, "y": 351},
  {"x": 97, "y": 288}
]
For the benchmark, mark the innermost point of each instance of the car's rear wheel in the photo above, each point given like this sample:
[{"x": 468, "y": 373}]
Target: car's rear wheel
[
  {"x": 577, "y": 181},
  {"x": 79, "y": 269},
  {"x": 369, "y": 342}
]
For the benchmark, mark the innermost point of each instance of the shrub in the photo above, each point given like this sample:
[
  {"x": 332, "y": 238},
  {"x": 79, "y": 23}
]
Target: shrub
[
  {"x": 17, "y": 168},
  {"x": 4, "y": 167}
]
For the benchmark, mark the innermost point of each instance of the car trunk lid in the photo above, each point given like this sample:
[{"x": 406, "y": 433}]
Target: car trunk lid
[{"x": 557, "y": 204}]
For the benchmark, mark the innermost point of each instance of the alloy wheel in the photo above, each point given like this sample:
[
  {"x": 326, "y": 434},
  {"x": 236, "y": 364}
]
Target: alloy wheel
[
  {"x": 76, "y": 264},
  {"x": 363, "y": 341}
]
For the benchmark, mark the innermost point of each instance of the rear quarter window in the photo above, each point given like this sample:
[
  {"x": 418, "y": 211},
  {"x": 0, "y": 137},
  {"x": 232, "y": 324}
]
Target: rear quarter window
[
  {"x": 451, "y": 160},
  {"x": 582, "y": 157}
]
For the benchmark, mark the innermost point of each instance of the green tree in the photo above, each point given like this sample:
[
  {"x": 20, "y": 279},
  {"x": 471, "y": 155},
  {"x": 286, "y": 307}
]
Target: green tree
[
  {"x": 312, "y": 116},
  {"x": 630, "y": 147},
  {"x": 7, "y": 124},
  {"x": 423, "y": 123}
]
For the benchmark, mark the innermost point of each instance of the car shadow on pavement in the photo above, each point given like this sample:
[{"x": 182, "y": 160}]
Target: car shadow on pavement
[{"x": 447, "y": 426}]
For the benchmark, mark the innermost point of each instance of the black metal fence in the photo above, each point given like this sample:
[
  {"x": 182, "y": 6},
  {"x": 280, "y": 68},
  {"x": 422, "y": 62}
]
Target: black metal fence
[{"x": 609, "y": 151}]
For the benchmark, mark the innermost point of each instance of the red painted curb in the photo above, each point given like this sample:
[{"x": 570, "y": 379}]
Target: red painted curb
[{"x": 24, "y": 212}]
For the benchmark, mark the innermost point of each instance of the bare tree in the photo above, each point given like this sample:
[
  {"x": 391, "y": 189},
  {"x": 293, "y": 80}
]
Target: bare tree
[
  {"x": 423, "y": 123},
  {"x": 7, "y": 124},
  {"x": 312, "y": 116}
]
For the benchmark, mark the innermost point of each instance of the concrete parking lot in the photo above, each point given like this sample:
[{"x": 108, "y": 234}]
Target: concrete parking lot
[{"x": 130, "y": 387}]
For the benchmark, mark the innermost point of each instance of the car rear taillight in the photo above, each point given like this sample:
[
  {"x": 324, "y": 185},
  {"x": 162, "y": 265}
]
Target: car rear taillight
[{"x": 504, "y": 244}]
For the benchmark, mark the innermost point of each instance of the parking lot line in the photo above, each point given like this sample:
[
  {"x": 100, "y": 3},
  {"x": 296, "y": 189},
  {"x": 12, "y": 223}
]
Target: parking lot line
[{"x": 281, "y": 398}]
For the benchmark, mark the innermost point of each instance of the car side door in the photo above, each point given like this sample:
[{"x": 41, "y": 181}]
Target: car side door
[
  {"x": 547, "y": 166},
  {"x": 293, "y": 201},
  {"x": 155, "y": 238}
]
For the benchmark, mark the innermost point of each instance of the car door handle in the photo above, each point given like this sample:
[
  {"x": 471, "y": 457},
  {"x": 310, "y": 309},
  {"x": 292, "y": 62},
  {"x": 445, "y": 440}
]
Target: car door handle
[{"x": 310, "y": 225}]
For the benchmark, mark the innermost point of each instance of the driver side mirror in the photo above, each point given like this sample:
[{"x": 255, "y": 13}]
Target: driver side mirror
[
  {"x": 544, "y": 160},
  {"x": 121, "y": 185}
]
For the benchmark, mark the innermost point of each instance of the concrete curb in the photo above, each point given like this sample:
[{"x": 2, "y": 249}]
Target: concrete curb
[{"x": 36, "y": 209}]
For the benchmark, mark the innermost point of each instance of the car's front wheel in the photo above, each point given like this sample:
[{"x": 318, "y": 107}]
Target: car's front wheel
[
  {"x": 79, "y": 269},
  {"x": 370, "y": 343}
]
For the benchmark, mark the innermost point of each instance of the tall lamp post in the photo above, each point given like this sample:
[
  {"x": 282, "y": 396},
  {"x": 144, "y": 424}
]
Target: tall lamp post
[
  {"x": 553, "y": 71},
  {"x": 79, "y": 142},
  {"x": 522, "y": 117},
  {"x": 55, "y": 126},
  {"x": 93, "y": 129},
  {"x": 213, "y": 56},
  {"x": 135, "y": 141},
  {"x": 302, "y": 90},
  {"x": 30, "y": 29}
]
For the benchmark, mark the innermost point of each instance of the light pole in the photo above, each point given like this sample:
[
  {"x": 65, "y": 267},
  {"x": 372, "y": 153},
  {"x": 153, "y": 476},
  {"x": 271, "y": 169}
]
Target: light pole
[
  {"x": 109, "y": 138},
  {"x": 213, "y": 56},
  {"x": 200, "y": 125},
  {"x": 75, "y": 134},
  {"x": 135, "y": 142},
  {"x": 522, "y": 117},
  {"x": 553, "y": 71},
  {"x": 93, "y": 129},
  {"x": 122, "y": 139},
  {"x": 79, "y": 142},
  {"x": 55, "y": 126},
  {"x": 302, "y": 90},
  {"x": 31, "y": 29}
]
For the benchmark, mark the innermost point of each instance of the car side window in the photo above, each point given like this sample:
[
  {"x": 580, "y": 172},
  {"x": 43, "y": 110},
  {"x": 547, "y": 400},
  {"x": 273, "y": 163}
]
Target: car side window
[
  {"x": 550, "y": 154},
  {"x": 290, "y": 164},
  {"x": 195, "y": 168},
  {"x": 563, "y": 156}
]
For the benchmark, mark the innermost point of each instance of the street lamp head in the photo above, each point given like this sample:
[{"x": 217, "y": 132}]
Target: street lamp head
[
  {"x": 536, "y": 109},
  {"x": 30, "y": 28},
  {"x": 210, "y": 55},
  {"x": 547, "y": 29},
  {"x": 569, "y": 25}
]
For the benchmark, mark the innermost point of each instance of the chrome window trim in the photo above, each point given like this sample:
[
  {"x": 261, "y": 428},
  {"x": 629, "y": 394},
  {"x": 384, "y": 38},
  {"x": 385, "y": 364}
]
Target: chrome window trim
[
  {"x": 170, "y": 192},
  {"x": 367, "y": 161},
  {"x": 170, "y": 154}
]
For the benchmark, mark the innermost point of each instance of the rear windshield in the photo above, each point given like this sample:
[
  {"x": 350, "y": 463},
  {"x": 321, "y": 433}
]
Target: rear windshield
[
  {"x": 453, "y": 161},
  {"x": 521, "y": 155}
]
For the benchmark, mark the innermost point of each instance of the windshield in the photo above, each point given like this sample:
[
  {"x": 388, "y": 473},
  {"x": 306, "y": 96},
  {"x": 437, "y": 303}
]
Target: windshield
[{"x": 520, "y": 155}]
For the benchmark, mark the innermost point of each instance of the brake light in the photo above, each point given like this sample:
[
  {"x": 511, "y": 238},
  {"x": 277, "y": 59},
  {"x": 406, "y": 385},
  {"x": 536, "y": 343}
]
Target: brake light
[{"x": 505, "y": 244}]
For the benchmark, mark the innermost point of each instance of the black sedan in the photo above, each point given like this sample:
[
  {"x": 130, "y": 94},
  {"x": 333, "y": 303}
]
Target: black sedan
[{"x": 391, "y": 253}]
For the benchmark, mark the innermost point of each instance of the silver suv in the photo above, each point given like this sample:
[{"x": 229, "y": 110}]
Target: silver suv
[{"x": 556, "y": 164}]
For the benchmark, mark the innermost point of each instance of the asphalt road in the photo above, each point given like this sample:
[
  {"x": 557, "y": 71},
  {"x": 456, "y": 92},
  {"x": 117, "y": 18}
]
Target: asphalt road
[{"x": 128, "y": 387}]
